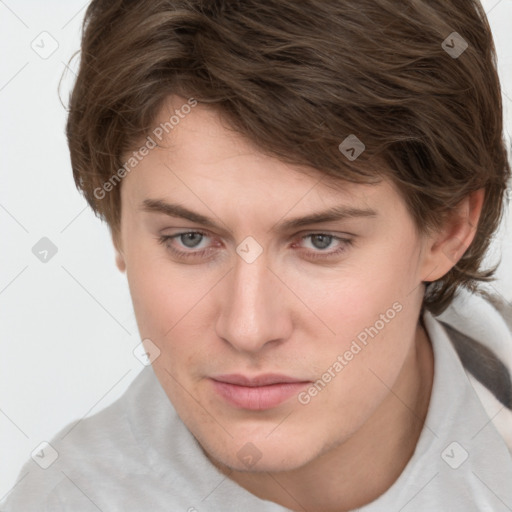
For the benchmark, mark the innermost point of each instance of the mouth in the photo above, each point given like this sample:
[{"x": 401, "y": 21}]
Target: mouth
[{"x": 257, "y": 393}]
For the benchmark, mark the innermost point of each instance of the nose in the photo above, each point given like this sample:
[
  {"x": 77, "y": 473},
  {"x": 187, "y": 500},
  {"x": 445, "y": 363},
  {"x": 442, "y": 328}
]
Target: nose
[{"x": 254, "y": 311}]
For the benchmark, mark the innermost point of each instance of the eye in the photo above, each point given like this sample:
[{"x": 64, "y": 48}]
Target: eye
[
  {"x": 189, "y": 240},
  {"x": 321, "y": 241}
]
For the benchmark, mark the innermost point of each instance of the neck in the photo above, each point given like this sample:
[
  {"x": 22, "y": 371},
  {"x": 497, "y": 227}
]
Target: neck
[{"x": 369, "y": 462}]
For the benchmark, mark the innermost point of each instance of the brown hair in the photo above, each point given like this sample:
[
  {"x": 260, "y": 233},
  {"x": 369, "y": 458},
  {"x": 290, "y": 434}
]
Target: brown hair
[{"x": 297, "y": 78}]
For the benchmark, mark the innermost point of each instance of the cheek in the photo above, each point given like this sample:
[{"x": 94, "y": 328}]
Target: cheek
[
  {"x": 167, "y": 311},
  {"x": 160, "y": 293},
  {"x": 171, "y": 307},
  {"x": 352, "y": 296},
  {"x": 371, "y": 315},
  {"x": 355, "y": 368},
  {"x": 153, "y": 301}
]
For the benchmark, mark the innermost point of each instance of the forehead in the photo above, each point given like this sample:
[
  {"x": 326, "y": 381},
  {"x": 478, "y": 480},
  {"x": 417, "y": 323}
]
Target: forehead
[{"x": 200, "y": 156}]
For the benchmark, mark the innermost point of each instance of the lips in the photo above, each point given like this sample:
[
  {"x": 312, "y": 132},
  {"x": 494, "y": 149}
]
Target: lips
[{"x": 257, "y": 393}]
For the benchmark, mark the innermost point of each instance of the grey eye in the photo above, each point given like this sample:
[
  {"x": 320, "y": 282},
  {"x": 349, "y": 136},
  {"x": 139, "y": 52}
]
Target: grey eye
[
  {"x": 191, "y": 240},
  {"x": 323, "y": 240}
]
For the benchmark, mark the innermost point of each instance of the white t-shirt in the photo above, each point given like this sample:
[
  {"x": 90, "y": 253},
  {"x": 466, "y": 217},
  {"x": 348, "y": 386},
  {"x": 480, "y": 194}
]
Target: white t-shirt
[{"x": 137, "y": 455}]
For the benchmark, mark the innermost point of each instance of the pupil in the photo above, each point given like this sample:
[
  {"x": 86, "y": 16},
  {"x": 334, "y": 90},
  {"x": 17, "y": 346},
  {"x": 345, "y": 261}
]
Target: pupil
[
  {"x": 190, "y": 237},
  {"x": 325, "y": 240}
]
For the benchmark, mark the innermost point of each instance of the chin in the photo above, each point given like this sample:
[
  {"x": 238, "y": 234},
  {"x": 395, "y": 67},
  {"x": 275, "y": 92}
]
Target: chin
[
  {"x": 275, "y": 463},
  {"x": 255, "y": 455}
]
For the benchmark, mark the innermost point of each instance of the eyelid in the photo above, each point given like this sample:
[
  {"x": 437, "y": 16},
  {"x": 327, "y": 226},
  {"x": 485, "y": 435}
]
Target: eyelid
[
  {"x": 164, "y": 238},
  {"x": 343, "y": 242}
]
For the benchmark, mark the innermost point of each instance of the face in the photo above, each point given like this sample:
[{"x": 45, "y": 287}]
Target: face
[{"x": 270, "y": 331}]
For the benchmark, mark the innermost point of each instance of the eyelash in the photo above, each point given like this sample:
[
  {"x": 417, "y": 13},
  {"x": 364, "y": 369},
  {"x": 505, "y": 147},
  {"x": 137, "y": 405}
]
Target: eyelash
[{"x": 346, "y": 243}]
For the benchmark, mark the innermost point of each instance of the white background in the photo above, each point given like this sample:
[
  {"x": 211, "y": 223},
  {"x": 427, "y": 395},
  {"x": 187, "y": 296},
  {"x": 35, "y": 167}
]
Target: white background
[{"x": 68, "y": 329}]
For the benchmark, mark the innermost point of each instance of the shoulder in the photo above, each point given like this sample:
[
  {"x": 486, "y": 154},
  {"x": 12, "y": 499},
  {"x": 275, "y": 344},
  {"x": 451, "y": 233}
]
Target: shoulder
[
  {"x": 88, "y": 452},
  {"x": 484, "y": 318},
  {"x": 479, "y": 326}
]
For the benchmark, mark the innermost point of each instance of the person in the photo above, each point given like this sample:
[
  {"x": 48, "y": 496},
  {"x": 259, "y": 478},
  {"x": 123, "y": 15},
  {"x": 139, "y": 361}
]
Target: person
[{"x": 301, "y": 195}]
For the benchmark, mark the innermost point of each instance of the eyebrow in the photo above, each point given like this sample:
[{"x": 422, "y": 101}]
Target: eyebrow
[{"x": 335, "y": 213}]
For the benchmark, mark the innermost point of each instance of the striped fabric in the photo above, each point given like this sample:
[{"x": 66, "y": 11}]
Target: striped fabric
[{"x": 480, "y": 328}]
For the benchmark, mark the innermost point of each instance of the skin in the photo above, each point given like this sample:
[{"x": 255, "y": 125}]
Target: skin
[{"x": 286, "y": 312}]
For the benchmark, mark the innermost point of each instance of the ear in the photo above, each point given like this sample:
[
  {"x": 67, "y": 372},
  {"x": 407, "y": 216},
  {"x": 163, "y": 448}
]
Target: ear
[
  {"x": 445, "y": 248},
  {"x": 116, "y": 240}
]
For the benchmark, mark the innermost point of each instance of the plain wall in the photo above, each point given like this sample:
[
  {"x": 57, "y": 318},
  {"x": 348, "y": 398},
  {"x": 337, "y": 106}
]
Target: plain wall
[{"x": 67, "y": 327}]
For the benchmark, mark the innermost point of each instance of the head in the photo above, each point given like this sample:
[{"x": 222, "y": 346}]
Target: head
[{"x": 244, "y": 113}]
